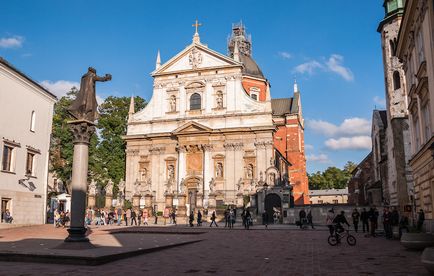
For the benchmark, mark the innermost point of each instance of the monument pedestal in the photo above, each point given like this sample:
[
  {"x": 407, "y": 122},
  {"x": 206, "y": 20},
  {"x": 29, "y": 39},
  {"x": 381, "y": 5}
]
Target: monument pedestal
[
  {"x": 136, "y": 201},
  {"x": 169, "y": 200},
  {"x": 91, "y": 201},
  {"x": 211, "y": 204},
  {"x": 82, "y": 130},
  {"x": 240, "y": 200},
  {"x": 199, "y": 202},
  {"x": 148, "y": 203},
  {"x": 108, "y": 201},
  {"x": 182, "y": 209}
]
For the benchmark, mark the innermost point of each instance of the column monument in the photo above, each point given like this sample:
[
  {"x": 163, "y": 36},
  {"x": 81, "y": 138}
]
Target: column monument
[{"x": 84, "y": 111}]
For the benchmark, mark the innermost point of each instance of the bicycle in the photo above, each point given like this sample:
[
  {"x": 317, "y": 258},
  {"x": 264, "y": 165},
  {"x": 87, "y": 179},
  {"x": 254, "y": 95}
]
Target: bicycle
[{"x": 337, "y": 236}]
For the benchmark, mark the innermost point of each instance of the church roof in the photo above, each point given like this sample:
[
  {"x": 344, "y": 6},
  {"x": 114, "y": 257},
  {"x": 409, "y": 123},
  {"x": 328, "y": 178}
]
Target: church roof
[
  {"x": 284, "y": 106},
  {"x": 250, "y": 67}
]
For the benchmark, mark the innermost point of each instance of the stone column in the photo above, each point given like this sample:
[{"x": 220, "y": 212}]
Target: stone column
[
  {"x": 108, "y": 201},
  {"x": 90, "y": 201},
  {"x": 82, "y": 130}
]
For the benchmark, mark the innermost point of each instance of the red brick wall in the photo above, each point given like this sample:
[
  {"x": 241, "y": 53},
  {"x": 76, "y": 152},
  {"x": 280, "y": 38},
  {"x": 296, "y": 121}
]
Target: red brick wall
[{"x": 289, "y": 140}]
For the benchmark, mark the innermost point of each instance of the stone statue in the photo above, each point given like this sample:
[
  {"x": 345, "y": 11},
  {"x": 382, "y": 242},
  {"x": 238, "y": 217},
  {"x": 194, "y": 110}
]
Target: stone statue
[
  {"x": 182, "y": 186},
  {"x": 219, "y": 170},
  {"x": 92, "y": 188},
  {"x": 171, "y": 172},
  {"x": 169, "y": 185},
  {"x": 172, "y": 104},
  {"x": 219, "y": 100},
  {"x": 149, "y": 185},
  {"x": 272, "y": 178},
  {"x": 109, "y": 188},
  {"x": 84, "y": 107},
  {"x": 121, "y": 187},
  {"x": 239, "y": 184},
  {"x": 144, "y": 174},
  {"x": 212, "y": 185},
  {"x": 137, "y": 187},
  {"x": 250, "y": 171}
]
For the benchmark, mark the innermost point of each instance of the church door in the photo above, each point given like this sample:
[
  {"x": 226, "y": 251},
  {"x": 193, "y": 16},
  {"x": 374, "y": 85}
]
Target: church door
[
  {"x": 272, "y": 204},
  {"x": 192, "y": 198}
]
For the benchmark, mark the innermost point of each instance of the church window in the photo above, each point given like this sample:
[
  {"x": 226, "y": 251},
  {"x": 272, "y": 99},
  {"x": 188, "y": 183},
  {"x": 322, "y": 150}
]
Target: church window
[
  {"x": 254, "y": 96},
  {"x": 426, "y": 121},
  {"x": 172, "y": 103},
  {"x": 195, "y": 102},
  {"x": 30, "y": 163},
  {"x": 392, "y": 47},
  {"x": 396, "y": 80},
  {"x": 32, "y": 121},
  {"x": 7, "y": 160}
]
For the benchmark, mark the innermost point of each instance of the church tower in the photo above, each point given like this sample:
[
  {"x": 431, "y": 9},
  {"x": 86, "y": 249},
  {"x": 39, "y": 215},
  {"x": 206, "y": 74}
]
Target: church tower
[{"x": 397, "y": 132}]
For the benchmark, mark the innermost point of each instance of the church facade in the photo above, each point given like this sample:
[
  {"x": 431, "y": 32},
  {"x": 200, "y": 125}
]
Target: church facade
[{"x": 208, "y": 135}]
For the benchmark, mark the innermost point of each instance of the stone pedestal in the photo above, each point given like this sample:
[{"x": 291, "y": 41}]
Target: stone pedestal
[
  {"x": 169, "y": 200},
  {"x": 82, "y": 130},
  {"x": 108, "y": 201},
  {"x": 240, "y": 200},
  {"x": 182, "y": 210},
  {"x": 136, "y": 201},
  {"x": 199, "y": 201},
  {"x": 148, "y": 203},
  {"x": 90, "y": 201}
]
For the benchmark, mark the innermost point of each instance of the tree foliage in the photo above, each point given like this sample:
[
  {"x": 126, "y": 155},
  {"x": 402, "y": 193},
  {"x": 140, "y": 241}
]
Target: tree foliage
[
  {"x": 106, "y": 149},
  {"x": 331, "y": 178}
]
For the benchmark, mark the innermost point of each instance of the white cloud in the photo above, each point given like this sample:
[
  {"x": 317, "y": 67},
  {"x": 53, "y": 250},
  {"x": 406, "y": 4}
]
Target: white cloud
[
  {"x": 308, "y": 147},
  {"x": 308, "y": 67},
  {"x": 334, "y": 64},
  {"x": 11, "y": 42},
  {"x": 321, "y": 158},
  {"x": 59, "y": 88},
  {"x": 349, "y": 143},
  {"x": 380, "y": 101},
  {"x": 285, "y": 55},
  {"x": 349, "y": 127}
]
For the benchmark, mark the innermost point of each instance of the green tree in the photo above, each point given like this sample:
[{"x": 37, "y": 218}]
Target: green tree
[
  {"x": 331, "y": 178},
  {"x": 112, "y": 125}
]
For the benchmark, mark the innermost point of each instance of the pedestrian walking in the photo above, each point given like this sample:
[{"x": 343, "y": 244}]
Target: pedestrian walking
[
  {"x": 387, "y": 223},
  {"x": 155, "y": 213},
  {"x": 199, "y": 218},
  {"x": 133, "y": 217},
  {"x": 213, "y": 218},
  {"x": 373, "y": 220},
  {"x": 145, "y": 217},
  {"x": 173, "y": 216},
  {"x": 119, "y": 216},
  {"x": 355, "y": 216},
  {"x": 128, "y": 216},
  {"x": 248, "y": 220},
  {"x": 226, "y": 214},
  {"x": 365, "y": 220},
  {"x": 265, "y": 219},
  {"x": 302, "y": 216},
  {"x": 191, "y": 219},
  {"x": 231, "y": 218},
  {"x": 139, "y": 216},
  {"x": 310, "y": 219}
]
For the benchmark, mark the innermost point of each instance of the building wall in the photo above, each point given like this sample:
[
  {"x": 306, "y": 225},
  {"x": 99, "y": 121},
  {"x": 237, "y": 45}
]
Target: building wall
[
  {"x": 329, "y": 199},
  {"x": 415, "y": 49},
  {"x": 19, "y": 98}
]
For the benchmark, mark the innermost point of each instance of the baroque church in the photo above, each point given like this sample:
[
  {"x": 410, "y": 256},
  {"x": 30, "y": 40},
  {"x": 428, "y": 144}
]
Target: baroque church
[{"x": 212, "y": 136}]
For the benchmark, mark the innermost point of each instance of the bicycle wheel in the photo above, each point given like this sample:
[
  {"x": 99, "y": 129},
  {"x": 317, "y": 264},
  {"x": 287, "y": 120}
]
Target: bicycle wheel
[
  {"x": 332, "y": 240},
  {"x": 351, "y": 240}
]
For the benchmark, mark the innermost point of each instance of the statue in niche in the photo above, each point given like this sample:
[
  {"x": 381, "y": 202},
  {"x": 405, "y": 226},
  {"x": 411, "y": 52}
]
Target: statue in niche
[
  {"x": 171, "y": 172},
  {"x": 219, "y": 99},
  {"x": 121, "y": 187},
  {"x": 219, "y": 170},
  {"x": 272, "y": 178},
  {"x": 172, "y": 103},
  {"x": 109, "y": 188},
  {"x": 144, "y": 174},
  {"x": 182, "y": 186},
  {"x": 212, "y": 185},
  {"x": 249, "y": 171}
]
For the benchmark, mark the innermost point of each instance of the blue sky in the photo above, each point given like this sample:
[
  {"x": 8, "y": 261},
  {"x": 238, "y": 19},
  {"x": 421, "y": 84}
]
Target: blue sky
[{"x": 331, "y": 47}]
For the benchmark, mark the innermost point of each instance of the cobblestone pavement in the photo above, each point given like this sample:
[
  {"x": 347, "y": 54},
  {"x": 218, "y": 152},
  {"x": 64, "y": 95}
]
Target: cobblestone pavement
[{"x": 282, "y": 251}]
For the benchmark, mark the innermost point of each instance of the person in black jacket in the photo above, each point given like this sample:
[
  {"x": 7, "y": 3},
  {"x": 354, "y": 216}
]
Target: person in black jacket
[
  {"x": 365, "y": 220},
  {"x": 338, "y": 222}
]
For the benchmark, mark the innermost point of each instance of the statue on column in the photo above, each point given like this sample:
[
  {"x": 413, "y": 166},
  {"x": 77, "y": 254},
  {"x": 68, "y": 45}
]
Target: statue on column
[
  {"x": 182, "y": 186},
  {"x": 92, "y": 188},
  {"x": 84, "y": 107},
  {"x": 212, "y": 185},
  {"x": 121, "y": 187}
]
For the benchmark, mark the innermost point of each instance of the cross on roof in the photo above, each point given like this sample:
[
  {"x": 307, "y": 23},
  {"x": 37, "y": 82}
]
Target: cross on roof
[{"x": 196, "y": 25}]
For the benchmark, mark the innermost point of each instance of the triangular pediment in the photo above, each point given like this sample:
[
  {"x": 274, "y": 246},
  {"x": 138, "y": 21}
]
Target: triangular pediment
[
  {"x": 191, "y": 127},
  {"x": 196, "y": 57}
]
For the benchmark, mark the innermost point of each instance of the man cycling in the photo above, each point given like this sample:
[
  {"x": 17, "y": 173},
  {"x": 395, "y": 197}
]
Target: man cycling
[{"x": 338, "y": 222}]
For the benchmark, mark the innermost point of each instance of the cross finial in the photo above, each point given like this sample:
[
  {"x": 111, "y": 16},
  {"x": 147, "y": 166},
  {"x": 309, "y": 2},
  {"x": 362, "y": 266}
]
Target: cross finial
[{"x": 196, "y": 25}]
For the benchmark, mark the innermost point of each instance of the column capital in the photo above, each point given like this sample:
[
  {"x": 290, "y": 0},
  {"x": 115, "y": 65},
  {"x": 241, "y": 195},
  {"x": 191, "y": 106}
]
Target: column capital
[{"x": 82, "y": 131}]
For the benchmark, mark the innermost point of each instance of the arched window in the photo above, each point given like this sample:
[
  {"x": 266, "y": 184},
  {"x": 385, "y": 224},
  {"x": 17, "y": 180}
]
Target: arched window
[
  {"x": 396, "y": 80},
  {"x": 32, "y": 121},
  {"x": 392, "y": 44},
  {"x": 254, "y": 96},
  {"x": 195, "y": 103}
]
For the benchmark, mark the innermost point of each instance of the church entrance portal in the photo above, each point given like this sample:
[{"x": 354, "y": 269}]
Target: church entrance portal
[{"x": 272, "y": 204}]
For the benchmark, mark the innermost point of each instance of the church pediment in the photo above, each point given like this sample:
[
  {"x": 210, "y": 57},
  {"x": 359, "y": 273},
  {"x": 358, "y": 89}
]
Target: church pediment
[
  {"x": 195, "y": 56},
  {"x": 191, "y": 127}
]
